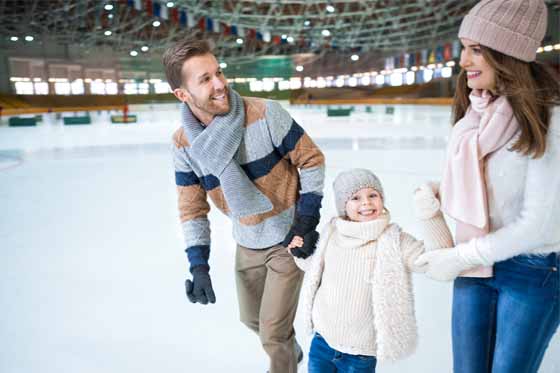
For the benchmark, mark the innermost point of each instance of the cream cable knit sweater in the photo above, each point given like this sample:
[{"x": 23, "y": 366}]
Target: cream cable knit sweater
[{"x": 357, "y": 292}]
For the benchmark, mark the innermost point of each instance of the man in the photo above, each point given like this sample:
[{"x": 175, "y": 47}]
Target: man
[{"x": 261, "y": 169}]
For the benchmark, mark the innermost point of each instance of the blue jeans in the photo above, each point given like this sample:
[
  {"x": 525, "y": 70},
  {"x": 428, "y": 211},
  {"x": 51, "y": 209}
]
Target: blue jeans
[
  {"x": 325, "y": 359},
  {"x": 504, "y": 324}
]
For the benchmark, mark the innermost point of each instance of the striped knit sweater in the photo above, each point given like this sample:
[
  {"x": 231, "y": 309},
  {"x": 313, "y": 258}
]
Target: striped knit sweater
[{"x": 273, "y": 148}]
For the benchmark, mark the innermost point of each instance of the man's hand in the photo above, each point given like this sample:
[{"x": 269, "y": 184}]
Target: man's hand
[
  {"x": 199, "y": 290},
  {"x": 301, "y": 226}
]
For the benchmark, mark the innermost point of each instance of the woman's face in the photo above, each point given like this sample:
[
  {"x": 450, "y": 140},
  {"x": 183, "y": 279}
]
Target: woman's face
[
  {"x": 364, "y": 205},
  {"x": 480, "y": 75}
]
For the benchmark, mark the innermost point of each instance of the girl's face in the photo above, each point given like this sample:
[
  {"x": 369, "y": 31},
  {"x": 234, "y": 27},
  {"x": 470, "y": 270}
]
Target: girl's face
[
  {"x": 364, "y": 205},
  {"x": 480, "y": 75}
]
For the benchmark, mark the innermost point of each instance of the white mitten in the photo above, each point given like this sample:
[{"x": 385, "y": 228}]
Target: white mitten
[
  {"x": 447, "y": 264},
  {"x": 426, "y": 203}
]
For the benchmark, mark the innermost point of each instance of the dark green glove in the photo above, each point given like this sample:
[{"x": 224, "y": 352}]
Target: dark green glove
[
  {"x": 301, "y": 226},
  {"x": 309, "y": 245},
  {"x": 199, "y": 290}
]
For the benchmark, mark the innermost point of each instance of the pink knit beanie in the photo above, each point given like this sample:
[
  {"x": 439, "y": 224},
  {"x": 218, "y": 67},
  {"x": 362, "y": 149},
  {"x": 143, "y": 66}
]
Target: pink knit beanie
[{"x": 513, "y": 27}]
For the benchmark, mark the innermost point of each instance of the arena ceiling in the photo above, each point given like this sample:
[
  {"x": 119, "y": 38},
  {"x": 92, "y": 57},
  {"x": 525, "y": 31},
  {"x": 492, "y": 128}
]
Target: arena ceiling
[{"x": 266, "y": 27}]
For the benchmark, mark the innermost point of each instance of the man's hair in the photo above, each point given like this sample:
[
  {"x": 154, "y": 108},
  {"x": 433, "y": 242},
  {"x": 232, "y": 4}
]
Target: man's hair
[{"x": 176, "y": 55}]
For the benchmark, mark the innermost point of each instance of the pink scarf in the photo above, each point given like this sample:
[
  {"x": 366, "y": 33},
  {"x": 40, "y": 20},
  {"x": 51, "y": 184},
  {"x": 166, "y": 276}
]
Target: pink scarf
[{"x": 486, "y": 127}]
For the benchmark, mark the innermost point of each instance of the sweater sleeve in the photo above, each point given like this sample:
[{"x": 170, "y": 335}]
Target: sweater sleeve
[
  {"x": 411, "y": 249},
  {"x": 436, "y": 236},
  {"x": 193, "y": 209},
  {"x": 435, "y": 232},
  {"x": 290, "y": 141},
  {"x": 537, "y": 217}
]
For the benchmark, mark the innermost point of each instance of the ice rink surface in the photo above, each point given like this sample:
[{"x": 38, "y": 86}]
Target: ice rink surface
[{"x": 92, "y": 257}]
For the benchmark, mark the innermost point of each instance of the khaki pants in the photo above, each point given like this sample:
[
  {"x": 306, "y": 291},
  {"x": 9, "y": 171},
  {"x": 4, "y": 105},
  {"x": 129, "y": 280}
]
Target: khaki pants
[{"x": 268, "y": 284}]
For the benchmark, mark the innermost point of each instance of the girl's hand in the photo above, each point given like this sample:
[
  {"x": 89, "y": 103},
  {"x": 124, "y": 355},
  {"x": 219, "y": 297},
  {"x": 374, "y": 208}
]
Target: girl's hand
[{"x": 297, "y": 241}]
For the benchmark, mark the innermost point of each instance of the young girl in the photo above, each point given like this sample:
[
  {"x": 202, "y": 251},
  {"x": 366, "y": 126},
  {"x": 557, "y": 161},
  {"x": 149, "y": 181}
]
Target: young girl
[
  {"x": 357, "y": 294},
  {"x": 502, "y": 187}
]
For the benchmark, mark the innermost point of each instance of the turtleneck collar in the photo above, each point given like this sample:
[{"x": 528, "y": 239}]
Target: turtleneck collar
[{"x": 354, "y": 234}]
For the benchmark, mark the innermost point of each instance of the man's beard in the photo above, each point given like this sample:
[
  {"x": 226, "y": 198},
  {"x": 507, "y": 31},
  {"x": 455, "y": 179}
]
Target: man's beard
[{"x": 210, "y": 106}]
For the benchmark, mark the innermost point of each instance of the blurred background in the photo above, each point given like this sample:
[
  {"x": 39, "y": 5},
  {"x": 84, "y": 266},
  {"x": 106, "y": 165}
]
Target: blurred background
[{"x": 91, "y": 252}]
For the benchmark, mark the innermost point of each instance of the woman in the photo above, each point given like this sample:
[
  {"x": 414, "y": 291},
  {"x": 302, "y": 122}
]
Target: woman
[{"x": 501, "y": 185}]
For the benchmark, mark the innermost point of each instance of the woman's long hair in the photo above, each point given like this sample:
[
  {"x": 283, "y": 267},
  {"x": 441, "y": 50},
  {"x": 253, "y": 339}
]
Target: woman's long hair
[{"x": 530, "y": 88}]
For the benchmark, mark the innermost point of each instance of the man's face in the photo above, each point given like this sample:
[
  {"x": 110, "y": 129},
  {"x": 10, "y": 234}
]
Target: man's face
[{"x": 205, "y": 87}]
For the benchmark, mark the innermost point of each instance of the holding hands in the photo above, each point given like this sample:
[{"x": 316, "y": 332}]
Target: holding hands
[
  {"x": 446, "y": 263},
  {"x": 302, "y": 237}
]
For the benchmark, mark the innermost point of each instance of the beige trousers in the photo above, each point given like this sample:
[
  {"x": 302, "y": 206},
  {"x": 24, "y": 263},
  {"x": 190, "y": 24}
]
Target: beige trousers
[{"x": 268, "y": 284}]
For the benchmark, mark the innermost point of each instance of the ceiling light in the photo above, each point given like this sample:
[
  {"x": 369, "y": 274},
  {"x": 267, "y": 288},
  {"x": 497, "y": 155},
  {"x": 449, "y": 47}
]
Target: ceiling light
[
  {"x": 156, "y": 23},
  {"x": 108, "y": 7},
  {"x": 355, "y": 57},
  {"x": 145, "y": 48},
  {"x": 239, "y": 41},
  {"x": 548, "y": 48},
  {"x": 133, "y": 53},
  {"x": 108, "y": 33},
  {"x": 170, "y": 4},
  {"x": 330, "y": 8},
  {"x": 299, "y": 68},
  {"x": 290, "y": 39},
  {"x": 29, "y": 38},
  {"x": 14, "y": 38},
  {"x": 110, "y": 16},
  {"x": 326, "y": 32},
  {"x": 223, "y": 65},
  {"x": 306, "y": 23}
]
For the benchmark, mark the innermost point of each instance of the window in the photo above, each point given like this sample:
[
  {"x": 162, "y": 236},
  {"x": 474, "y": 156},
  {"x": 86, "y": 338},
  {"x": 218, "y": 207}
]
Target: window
[
  {"x": 41, "y": 88},
  {"x": 97, "y": 87},
  {"x": 62, "y": 88},
  {"x": 24, "y": 88}
]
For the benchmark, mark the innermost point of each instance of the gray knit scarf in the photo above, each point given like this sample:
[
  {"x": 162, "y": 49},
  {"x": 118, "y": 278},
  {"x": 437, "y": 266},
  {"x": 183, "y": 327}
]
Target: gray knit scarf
[{"x": 214, "y": 148}]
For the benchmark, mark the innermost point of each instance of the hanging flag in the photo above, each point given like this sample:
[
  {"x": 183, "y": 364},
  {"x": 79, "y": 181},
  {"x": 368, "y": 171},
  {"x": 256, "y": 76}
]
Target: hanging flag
[
  {"x": 424, "y": 57},
  {"x": 138, "y": 4},
  {"x": 226, "y": 30},
  {"x": 432, "y": 56},
  {"x": 190, "y": 20},
  {"x": 233, "y": 30},
  {"x": 418, "y": 59},
  {"x": 412, "y": 59},
  {"x": 201, "y": 23},
  {"x": 396, "y": 61},
  {"x": 389, "y": 63},
  {"x": 240, "y": 31},
  {"x": 183, "y": 18},
  {"x": 251, "y": 33},
  {"x": 456, "y": 49},
  {"x": 164, "y": 12},
  {"x": 149, "y": 8},
  {"x": 439, "y": 53},
  {"x": 157, "y": 9},
  {"x": 276, "y": 39},
  {"x": 406, "y": 60},
  {"x": 401, "y": 61},
  {"x": 209, "y": 24},
  {"x": 175, "y": 15},
  {"x": 447, "y": 52},
  {"x": 130, "y": 3},
  {"x": 259, "y": 36}
]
